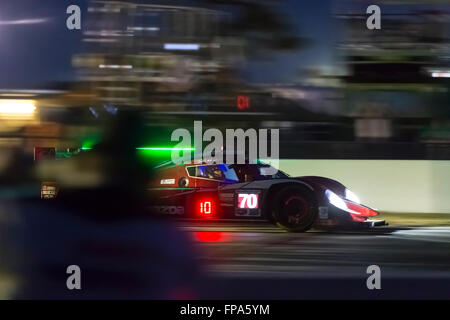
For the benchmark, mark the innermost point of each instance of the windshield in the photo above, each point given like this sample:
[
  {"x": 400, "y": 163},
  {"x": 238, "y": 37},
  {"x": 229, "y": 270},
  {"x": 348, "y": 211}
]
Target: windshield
[
  {"x": 236, "y": 172},
  {"x": 252, "y": 172}
]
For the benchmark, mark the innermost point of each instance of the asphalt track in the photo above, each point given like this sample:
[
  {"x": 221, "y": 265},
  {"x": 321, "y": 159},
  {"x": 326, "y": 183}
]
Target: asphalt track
[{"x": 258, "y": 261}]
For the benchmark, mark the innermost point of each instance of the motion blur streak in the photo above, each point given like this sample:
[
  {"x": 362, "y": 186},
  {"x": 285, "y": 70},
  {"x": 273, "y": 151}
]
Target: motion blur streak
[
  {"x": 17, "y": 107},
  {"x": 212, "y": 236},
  {"x": 23, "y": 21}
]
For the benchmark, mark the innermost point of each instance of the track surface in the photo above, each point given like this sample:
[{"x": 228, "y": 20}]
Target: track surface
[{"x": 261, "y": 262}]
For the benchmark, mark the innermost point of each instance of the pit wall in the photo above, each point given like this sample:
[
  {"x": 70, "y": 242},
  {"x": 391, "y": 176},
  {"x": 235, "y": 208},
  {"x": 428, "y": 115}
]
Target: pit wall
[{"x": 411, "y": 186}]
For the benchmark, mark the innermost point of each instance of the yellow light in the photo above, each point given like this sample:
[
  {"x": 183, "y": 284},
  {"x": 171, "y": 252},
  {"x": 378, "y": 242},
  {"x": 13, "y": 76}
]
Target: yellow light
[
  {"x": 17, "y": 95},
  {"x": 17, "y": 107}
]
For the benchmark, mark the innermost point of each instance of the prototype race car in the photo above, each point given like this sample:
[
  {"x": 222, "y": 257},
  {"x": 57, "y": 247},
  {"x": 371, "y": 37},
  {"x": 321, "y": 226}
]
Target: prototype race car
[{"x": 248, "y": 192}]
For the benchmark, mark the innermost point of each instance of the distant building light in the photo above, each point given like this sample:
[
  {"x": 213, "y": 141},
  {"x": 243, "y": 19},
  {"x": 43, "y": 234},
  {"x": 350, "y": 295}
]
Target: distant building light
[
  {"x": 143, "y": 28},
  {"x": 23, "y": 21},
  {"x": 108, "y": 33},
  {"x": 17, "y": 95},
  {"x": 243, "y": 102},
  {"x": 92, "y": 110},
  {"x": 19, "y": 92},
  {"x": 115, "y": 66},
  {"x": 99, "y": 40},
  {"x": 115, "y": 10},
  {"x": 182, "y": 46},
  {"x": 17, "y": 107}
]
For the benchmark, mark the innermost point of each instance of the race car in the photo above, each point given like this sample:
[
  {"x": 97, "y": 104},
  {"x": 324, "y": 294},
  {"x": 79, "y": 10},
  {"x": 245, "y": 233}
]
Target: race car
[
  {"x": 251, "y": 192},
  {"x": 243, "y": 192}
]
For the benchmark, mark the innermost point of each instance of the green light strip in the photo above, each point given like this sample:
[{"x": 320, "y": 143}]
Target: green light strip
[
  {"x": 165, "y": 149},
  {"x": 155, "y": 149}
]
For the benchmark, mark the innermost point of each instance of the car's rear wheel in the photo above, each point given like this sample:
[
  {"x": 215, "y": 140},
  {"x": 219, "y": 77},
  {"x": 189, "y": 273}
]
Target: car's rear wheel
[{"x": 294, "y": 209}]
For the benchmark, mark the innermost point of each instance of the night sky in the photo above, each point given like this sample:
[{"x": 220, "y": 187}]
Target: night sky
[
  {"x": 312, "y": 21},
  {"x": 36, "y": 47}
]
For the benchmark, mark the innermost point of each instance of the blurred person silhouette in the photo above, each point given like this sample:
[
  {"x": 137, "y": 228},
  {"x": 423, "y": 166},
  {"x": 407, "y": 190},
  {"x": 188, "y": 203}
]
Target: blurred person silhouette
[{"x": 100, "y": 223}]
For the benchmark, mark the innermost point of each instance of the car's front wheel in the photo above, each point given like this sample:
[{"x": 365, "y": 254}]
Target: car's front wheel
[{"x": 294, "y": 209}]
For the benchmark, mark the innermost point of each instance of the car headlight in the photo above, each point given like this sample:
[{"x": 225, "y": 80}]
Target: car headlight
[
  {"x": 335, "y": 200},
  {"x": 349, "y": 195}
]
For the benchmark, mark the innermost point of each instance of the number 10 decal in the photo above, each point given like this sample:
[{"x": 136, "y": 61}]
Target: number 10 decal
[{"x": 248, "y": 200}]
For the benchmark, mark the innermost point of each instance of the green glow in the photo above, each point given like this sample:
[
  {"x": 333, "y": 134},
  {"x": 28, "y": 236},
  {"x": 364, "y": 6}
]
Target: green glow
[
  {"x": 89, "y": 143},
  {"x": 153, "y": 149},
  {"x": 165, "y": 149}
]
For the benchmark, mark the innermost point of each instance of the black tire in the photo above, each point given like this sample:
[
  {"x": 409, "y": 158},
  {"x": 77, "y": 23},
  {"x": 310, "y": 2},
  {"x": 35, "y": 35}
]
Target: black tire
[{"x": 294, "y": 209}]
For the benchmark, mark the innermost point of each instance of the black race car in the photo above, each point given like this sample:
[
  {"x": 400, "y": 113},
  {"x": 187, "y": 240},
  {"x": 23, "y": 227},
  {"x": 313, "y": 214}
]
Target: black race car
[{"x": 253, "y": 192}]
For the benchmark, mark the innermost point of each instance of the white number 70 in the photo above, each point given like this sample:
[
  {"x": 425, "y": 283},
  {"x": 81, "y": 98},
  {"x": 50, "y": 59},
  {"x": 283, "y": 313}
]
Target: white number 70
[{"x": 248, "y": 201}]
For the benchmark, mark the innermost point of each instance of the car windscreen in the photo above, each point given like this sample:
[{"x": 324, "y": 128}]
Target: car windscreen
[
  {"x": 219, "y": 172},
  {"x": 251, "y": 172},
  {"x": 235, "y": 172}
]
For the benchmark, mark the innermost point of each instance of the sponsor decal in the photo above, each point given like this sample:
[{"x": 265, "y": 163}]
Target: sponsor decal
[
  {"x": 323, "y": 212},
  {"x": 172, "y": 210},
  {"x": 168, "y": 181},
  {"x": 48, "y": 191}
]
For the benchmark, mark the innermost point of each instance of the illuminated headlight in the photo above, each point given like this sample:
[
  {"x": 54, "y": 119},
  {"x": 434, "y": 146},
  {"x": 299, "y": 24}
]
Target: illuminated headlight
[
  {"x": 349, "y": 195},
  {"x": 335, "y": 200}
]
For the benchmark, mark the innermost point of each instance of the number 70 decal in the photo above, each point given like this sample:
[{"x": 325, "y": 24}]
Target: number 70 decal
[{"x": 248, "y": 200}]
